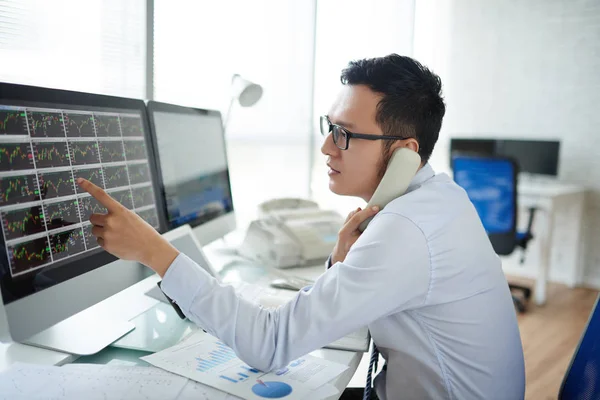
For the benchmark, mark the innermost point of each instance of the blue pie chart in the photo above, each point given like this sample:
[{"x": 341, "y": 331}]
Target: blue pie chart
[{"x": 272, "y": 390}]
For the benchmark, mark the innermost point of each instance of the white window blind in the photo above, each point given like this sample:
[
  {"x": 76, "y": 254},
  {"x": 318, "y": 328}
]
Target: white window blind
[{"x": 93, "y": 45}]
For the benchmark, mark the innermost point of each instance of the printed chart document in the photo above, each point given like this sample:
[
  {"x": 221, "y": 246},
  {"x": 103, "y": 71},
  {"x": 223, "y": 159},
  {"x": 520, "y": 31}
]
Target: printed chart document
[
  {"x": 85, "y": 381},
  {"x": 203, "y": 358}
]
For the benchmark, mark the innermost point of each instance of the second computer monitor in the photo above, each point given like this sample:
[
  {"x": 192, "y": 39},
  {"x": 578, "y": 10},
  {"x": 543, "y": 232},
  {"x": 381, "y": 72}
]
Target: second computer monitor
[
  {"x": 194, "y": 172},
  {"x": 538, "y": 157}
]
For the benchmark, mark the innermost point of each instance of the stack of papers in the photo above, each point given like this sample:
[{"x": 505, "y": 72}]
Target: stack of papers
[
  {"x": 91, "y": 381},
  {"x": 203, "y": 358},
  {"x": 355, "y": 341},
  {"x": 214, "y": 373}
]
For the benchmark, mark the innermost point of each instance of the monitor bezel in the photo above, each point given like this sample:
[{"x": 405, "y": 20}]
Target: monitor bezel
[{"x": 156, "y": 106}]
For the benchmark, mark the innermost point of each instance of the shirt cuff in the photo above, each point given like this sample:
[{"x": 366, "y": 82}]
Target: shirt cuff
[
  {"x": 328, "y": 262},
  {"x": 183, "y": 280}
]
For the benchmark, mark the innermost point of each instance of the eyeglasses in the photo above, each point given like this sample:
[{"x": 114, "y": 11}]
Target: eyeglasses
[{"x": 342, "y": 136}]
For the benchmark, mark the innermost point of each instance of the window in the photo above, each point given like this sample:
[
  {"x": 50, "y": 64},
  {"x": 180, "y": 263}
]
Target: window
[
  {"x": 349, "y": 30},
  {"x": 199, "y": 45},
  {"x": 92, "y": 46}
]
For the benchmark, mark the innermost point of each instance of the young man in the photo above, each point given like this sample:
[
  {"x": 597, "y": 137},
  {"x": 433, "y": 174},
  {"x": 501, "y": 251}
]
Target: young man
[{"x": 423, "y": 276}]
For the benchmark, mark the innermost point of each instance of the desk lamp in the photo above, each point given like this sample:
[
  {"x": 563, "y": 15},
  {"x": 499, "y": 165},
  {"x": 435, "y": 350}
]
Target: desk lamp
[{"x": 246, "y": 92}]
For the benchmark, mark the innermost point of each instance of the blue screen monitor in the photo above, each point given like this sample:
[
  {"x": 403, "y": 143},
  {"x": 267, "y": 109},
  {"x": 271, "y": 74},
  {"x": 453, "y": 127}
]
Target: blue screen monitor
[{"x": 582, "y": 376}]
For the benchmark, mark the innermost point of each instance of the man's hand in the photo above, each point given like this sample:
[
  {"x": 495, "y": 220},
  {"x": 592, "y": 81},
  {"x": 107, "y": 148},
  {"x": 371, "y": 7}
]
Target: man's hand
[
  {"x": 124, "y": 234},
  {"x": 350, "y": 233}
]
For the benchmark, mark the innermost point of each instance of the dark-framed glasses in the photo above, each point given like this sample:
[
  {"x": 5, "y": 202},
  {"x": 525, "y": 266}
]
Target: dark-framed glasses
[{"x": 341, "y": 136}]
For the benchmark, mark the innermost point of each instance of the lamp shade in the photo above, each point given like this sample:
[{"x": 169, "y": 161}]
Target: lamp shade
[{"x": 248, "y": 93}]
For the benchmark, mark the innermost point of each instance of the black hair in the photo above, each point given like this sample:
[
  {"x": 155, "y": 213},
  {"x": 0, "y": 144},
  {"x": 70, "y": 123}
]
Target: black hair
[{"x": 412, "y": 103}]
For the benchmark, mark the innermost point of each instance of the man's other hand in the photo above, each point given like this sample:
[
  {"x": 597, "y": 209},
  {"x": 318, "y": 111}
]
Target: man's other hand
[{"x": 350, "y": 233}]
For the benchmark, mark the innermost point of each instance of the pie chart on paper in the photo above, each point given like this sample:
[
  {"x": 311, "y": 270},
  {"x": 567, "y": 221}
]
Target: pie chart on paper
[{"x": 272, "y": 390}]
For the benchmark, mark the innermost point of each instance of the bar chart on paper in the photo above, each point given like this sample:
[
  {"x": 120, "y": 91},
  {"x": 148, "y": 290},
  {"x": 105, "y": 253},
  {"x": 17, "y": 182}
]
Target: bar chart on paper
[
  {"x": 224, "y": 358},
  {"x": 206, "y": 359}
]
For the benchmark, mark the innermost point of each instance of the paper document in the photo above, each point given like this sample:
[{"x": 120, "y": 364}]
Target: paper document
[
  {"x": 324, "y": 392},
  {"x": 356, "y": 341},
  {"x": 205, "y": 359},
  {"x": 91, "y": 382},
  {"x": 192, "y": 390}
]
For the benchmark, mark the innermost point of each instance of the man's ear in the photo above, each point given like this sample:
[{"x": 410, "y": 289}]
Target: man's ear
[{"x": 410, "y": 143}]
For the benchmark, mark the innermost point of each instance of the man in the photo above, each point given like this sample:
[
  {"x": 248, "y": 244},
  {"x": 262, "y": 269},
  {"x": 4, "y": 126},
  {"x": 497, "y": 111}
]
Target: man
[{"x": 423, "y": 276}]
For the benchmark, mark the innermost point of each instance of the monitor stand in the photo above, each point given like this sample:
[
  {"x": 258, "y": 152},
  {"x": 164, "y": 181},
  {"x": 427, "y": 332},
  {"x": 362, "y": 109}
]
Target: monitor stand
[{"x": 81, "y": 334}]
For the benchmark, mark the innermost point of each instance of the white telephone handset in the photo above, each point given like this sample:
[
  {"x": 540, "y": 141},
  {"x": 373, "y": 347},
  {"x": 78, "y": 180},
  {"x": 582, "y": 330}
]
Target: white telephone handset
[{"x": 402, "y": 167}]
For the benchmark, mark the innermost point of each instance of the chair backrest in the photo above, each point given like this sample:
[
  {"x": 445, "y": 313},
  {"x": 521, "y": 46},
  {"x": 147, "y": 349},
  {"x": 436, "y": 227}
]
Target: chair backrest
[
  {"x": 491, "y": 184},
  {"x": 582, "y": 379}
]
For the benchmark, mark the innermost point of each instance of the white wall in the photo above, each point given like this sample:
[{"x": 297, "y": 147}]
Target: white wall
[
  {"x": 348, "y": 30},
  {"x": 522, "y": 69}
]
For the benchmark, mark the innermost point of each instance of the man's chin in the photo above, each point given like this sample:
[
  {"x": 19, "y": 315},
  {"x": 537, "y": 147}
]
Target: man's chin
[{"x": 340, "y": 191}]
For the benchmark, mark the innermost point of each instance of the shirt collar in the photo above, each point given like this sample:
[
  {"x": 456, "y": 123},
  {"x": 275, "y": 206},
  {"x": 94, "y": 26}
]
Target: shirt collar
[{"x": 422, "y": 175}]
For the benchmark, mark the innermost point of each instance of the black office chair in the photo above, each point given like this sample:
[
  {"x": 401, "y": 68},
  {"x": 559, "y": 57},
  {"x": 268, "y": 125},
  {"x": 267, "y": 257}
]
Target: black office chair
[
  {"x": 491, "y": 184},
  {"x": 582, "y": 379}
]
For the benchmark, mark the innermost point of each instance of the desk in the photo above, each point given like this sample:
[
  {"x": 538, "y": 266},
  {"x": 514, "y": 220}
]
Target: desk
[
  {"x": 555, "y": 200},
  {"x": 133, "y": 302}
]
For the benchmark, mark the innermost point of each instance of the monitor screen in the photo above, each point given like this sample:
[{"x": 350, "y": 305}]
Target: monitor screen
[
  {"x": 44, "y": 146},
  {"x": 538, "y": 157},
  {"x": 194, "y": 174},
  {"x": 478, "y": 147}
]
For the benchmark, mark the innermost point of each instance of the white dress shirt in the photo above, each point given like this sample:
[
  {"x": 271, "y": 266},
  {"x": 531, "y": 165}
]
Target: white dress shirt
[{"x": 423, "y": 277}]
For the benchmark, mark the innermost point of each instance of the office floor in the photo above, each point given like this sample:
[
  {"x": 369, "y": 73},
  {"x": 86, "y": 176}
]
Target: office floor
[{"x": 549, "y": 335}]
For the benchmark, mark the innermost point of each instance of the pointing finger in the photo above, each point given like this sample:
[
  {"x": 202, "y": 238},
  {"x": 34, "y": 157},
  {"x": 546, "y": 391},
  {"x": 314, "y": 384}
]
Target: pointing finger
[
  {"x": 103, "y": 198},
  {"x": 98, "y": 219}
]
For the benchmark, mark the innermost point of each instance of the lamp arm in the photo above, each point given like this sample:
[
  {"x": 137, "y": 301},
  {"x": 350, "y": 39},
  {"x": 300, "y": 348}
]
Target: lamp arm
[{"x": 226, "y": 119}]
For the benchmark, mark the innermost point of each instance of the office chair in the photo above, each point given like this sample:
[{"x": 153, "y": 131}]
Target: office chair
[
  {"x": 491, "y": 184},
  {"x": 582, "y": 379}
]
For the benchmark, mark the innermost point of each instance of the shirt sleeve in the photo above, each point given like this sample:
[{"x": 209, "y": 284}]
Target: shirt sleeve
[{"x": 386, "y": 271}]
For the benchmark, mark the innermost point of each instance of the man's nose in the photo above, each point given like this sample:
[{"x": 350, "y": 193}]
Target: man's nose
[{"x": 329, "y": 148}]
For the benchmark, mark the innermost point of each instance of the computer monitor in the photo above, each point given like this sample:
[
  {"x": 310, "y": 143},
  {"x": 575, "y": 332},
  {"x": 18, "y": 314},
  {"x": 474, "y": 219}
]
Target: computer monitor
[
  {"x": 51, "y": 267},
  {"x": 538, "y": 157},
  {"x": 193, "y": 169},
  {"x": 467, "y": 146}
]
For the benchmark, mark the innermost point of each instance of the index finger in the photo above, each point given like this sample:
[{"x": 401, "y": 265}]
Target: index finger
[{"x": 103, "y": 198}]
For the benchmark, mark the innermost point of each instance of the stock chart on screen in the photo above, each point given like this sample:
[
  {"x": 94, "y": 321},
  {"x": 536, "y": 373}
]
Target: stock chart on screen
[
  {"x": 13, "y": 122},
  {"x": 46, "y": 124},
  {"x": 115, "y": 176},
  {"x": 51, "y": 154},
  {"x": 93, "y": 175},
  {"x": 15, "y": 156},
  {"x": 79, "y": 125},
  {"x": 107, "y": 125},
  {"x": 111, "y": 151},
  {"x": 44, "y": 214}
]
